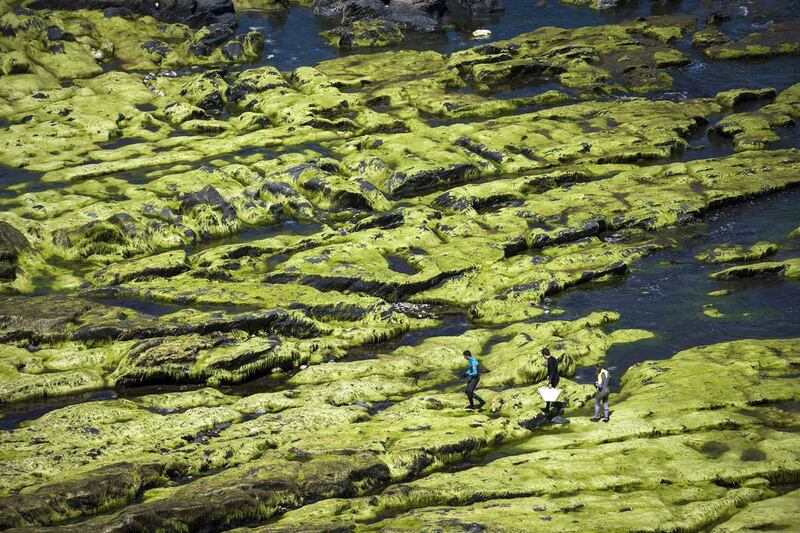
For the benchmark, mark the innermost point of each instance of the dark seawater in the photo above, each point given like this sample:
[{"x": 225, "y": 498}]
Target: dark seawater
[{"x": 293, "y": 38}]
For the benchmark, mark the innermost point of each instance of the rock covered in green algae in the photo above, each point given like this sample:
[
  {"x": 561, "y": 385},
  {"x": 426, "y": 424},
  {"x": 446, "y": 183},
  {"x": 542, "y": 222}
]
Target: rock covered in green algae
[
  {"x": 709, "y": 36},
  {"x": 733, "y": 97},
  {"x": 323, "y": 413},
  {"x": 600, "y": 58},
  {"x": 735, "y": 253},
  {"x": 788, "y": 268},
  {"x": 781, "y": 38},
  {"x": 68, "y": 345},
  {"x": 364, "y": 33},
  {"x": 495, "y": 215},
  {"x": 163, "y": 265},
  {"x": 684, "y": 445},
  {"x": 753, "y": 131},
  {"x": 76, "y": 44},
  {"x": 776, "y": 514},
  {"x": 13, "y": 244}
]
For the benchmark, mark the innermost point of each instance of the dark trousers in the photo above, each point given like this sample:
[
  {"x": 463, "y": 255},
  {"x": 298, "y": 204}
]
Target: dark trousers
[
  {"x": 601, "y": 397},
  {"x": 470, "y": 391}
]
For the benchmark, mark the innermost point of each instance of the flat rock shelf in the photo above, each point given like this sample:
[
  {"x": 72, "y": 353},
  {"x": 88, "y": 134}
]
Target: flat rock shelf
[{"x": 244, "y": 243}]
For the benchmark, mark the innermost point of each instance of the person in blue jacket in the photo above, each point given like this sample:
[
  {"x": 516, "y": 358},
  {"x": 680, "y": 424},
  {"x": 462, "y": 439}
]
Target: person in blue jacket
[{"x": 472, "y": 375}]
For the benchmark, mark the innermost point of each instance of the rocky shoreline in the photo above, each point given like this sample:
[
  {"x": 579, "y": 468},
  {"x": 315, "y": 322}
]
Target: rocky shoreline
[{"x": 179, "y": 212}]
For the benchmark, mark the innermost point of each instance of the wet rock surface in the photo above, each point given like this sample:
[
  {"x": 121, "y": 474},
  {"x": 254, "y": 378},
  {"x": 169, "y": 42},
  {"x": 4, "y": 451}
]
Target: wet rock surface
[
  {"x": 235, "y": 296},
  {"x": 193, "y": 13}
]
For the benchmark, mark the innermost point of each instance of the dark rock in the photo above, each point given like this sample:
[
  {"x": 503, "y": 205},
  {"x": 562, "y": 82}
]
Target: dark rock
[
  {"x": 278, "y": 188},
  {"x": 54, "y": 33},
  {"x": 479, "y": 149},
  {"x": 390, "y": 219},
  {"x": 233, "y": 50},
  {"x": 207, "y": 196},
  {"x": 422, "y": 16},
  {"x": 213, "y": 36},
  {"x": 348, "y": 10},
  {"x": 466, "y": 9},
  {"x": 123, "y": 12},
  {"x": 437, "y": 7},
  {"x": 159, "y": 48},
  {"x": 572, "y": 508},
  {"x": 37, "y": 318},
  {"x": 716, "y": 18},
  {"x": 12, "y": 242},
  {"x": 194, "y": 13}
]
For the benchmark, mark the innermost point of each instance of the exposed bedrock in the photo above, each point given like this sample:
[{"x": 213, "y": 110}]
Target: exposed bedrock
[
  {"x": 166, "y": 436},
  {"x": 193, "y": 13},
  {"x": 238, "y": 297},
  {"x": 696, "y": 431},
  {"x": 414, "y": 15}
]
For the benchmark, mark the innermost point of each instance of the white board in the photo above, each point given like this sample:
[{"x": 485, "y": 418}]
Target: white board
[{"x": 549, "y": 395}]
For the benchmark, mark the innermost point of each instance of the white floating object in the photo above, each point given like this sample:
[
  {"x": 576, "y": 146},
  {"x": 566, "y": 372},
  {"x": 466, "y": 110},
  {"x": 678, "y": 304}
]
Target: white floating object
[
  {"x": 481, "y": 34},
  {"x": 549, "y": 395}
]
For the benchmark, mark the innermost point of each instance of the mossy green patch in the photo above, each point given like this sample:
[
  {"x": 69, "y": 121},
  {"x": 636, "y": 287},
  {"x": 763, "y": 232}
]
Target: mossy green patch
[
  {"x": 781, "y": 38},
  {"x": 734, "y": 253},
  {"x": 364, "y": 33},
  {"x": 788, "y": 268},
  {"x": 753, "y": 131},
  {"x": 777, "y": 513},
  {"x": 736, "y": 96}
]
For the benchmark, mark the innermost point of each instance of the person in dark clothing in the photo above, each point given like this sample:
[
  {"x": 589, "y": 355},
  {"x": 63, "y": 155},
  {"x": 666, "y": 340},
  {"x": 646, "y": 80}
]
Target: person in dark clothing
[
  {"x": 473, "y": 376},
  {"x": 552, "y": 377}
]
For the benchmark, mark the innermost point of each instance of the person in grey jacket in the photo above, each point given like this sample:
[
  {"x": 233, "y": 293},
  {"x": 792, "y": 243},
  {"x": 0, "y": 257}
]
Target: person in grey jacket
[{"x": 603, "y": 389}]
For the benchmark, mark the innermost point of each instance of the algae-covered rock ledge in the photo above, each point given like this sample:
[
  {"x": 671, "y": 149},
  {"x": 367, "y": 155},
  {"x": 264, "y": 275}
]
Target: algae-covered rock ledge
[{"x": 245, "y": 244}]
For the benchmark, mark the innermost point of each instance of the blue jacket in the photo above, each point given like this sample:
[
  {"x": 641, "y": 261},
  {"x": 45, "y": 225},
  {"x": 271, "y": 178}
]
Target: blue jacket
[{"x": 472, "y": 371}]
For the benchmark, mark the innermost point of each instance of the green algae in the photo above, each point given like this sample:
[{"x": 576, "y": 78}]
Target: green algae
[
  {"x": 733, "y": 253},
  {"x": 779, "y": 39},
  {"x": 752, "y": 131},
  {"x": 708, "y": 37},
  {"x": 90, "y": 39},
  {"x": 736, "y": 96},
  {"x": 491, "y": 216},
  {"x": 788, "y": 268},
  {"x": 426, "y": 429},
  {"x": 364, "y": 33},
  {"x": 671, "y": 442},
  {"x": 778, "y": 513},
  {"x": 712, "y": 312}
]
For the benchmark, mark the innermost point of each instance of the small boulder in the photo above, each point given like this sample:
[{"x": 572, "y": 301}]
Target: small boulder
[
  {"x": 364, "y": 33},
  {"x": 207, "y": 91},
  {"x": 14, "y": 63}
]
